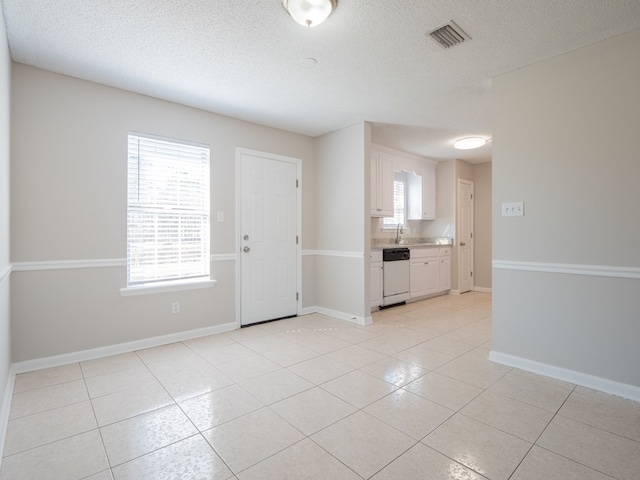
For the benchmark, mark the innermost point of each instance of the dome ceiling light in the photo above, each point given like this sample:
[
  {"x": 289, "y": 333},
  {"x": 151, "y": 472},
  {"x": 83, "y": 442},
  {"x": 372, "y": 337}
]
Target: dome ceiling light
[
  {"x": 310, "y": 12},
  {"x": 469, "y": 143}
]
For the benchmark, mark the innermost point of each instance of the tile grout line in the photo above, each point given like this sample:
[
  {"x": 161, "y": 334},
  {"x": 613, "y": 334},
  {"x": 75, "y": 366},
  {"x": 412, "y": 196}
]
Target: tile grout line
[
  {"x": 535, "y": 443},
  {"x": 104, "y": 447},
  {"x": 175, "y": 402}
]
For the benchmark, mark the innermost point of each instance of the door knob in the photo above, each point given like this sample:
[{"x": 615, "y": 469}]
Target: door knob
[
  {"x": 462, "y": 244},
  {"x": 246, "y": 249},
  {"x": 246, "y": 237}
]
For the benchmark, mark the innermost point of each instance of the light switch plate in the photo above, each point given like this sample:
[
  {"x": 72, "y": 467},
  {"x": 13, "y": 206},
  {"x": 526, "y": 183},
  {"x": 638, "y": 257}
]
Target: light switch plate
[{"x": 513, "y": 209}]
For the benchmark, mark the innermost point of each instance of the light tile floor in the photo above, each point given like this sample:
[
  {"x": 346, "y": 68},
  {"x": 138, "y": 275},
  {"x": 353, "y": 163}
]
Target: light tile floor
[{"x": 411, "y": 397}]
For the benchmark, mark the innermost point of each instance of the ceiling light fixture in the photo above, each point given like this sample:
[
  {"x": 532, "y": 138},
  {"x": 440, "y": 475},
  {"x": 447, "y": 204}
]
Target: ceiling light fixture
[
  {"x": 469, "y": 143},
  {"x": 310, "y": 12}
]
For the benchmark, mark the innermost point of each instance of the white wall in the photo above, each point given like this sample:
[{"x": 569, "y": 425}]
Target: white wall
[
  {"x": 565, "y": 143},
  {"x": 341, "y": 240},
  {"x": 68, "y": 197},
  {"x": 5, "y": 266}
]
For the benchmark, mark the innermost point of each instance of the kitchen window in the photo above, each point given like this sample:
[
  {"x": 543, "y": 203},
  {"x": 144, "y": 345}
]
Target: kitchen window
[
  {"x": 167, "y": 214},
  {"x": 399, "y": 201}
]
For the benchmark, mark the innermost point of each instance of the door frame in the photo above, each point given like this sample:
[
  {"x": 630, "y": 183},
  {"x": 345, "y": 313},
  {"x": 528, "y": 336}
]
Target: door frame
[
  {"x": 471, "y": 183},
  {"x": 240, "y": 151}
]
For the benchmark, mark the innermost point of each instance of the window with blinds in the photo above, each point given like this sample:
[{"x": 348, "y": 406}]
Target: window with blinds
[
  {"x": 167, "y": 210},
  {"x": 399, "y": 202}
]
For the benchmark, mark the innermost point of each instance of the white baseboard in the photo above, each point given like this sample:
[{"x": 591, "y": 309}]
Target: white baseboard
[
  {"x": 454, "y": 292},
  {"x": 482, "y": 289},
  {"x": 100, "y": 352},
  {"x": 585, "y": 380},
  {"x": 339, "y": 315},
  {"x": 92, "y": 354},
  {"x": 5, "y": 408}
]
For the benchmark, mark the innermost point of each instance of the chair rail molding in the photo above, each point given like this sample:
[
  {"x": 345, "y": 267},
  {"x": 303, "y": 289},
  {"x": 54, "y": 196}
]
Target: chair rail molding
[{"x": 569, "y": 268}]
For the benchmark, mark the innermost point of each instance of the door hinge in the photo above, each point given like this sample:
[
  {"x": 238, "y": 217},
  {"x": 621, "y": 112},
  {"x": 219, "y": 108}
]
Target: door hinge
[
  {"x": 471, "y": 234},
  {"x": 472, "y": 196},
  {"x": 472, "y": 274},
  {"x": 297, "y": 296},
  {"x": 297, "y": 183},
  {"x": 296, "y": 239}
]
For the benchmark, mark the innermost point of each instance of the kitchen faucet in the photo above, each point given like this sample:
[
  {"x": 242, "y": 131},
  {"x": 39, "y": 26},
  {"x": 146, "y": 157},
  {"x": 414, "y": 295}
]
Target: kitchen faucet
[{"x": 399, "y": 231}]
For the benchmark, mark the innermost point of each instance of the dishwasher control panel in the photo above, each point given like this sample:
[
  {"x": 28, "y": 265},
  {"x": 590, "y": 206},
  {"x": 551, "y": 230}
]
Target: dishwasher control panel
[{"x": 395, "y": 254}]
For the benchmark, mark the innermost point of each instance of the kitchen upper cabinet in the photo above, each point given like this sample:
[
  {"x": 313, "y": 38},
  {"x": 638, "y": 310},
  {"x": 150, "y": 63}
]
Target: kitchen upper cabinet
[
  {"x": 420, "y": 183},
  {"x": 421, "y": 200},
  {"x": 429, "y": 192},
  {"x": 381, "y": 185}
]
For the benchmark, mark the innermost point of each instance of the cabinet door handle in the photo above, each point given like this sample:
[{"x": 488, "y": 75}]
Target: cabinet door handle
[{"x": 462, "y": 244}]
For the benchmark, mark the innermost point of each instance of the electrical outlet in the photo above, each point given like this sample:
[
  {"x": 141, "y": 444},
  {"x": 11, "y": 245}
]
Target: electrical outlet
[
  {"x": 513, "y": 209},
  {"x": 175, "y": 307}
]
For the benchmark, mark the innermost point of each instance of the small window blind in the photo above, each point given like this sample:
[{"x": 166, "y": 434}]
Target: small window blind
[
  {"x": 399, "y": 203},
  {"x": 167, "y": 210}
]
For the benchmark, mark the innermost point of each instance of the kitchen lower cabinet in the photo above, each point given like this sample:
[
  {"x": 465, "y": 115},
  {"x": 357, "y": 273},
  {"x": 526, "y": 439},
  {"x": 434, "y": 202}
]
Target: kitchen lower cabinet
[
  {"x": 424, "y": 271},
  {"x": 376, "y": 278},
  {"x": 445, "y": 269},
  {"x": 430, "y": 271}
]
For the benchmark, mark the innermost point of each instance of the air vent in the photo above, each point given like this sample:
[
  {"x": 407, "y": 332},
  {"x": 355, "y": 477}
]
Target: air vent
[{"x": 449, "y": 35}]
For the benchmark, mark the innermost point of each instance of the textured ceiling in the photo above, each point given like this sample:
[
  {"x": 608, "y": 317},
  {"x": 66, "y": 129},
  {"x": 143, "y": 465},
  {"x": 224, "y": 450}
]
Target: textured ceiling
[{"x": 374, "y": 62}]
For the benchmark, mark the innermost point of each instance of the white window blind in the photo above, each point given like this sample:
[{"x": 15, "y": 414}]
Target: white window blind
[
  {"x": 167, "y": 210},
  {"x": 399, "y": 202}
]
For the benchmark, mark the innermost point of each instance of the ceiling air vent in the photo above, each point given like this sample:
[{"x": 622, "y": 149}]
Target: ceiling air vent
[{"x": 449, "y": 35}]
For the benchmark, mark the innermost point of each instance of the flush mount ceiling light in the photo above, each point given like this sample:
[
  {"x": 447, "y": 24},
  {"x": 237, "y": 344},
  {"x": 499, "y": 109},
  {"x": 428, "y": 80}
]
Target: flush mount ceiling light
[
  {"x": 469, "y": 143},
  {"x": 310, "y": 12}
]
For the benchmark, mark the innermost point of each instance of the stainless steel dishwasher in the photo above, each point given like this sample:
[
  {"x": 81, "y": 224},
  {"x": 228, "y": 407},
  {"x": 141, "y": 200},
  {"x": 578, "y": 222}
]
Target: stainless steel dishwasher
[{"x": 395, "y": 274}]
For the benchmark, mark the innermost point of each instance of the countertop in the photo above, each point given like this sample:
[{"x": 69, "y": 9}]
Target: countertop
[{"x": 380, "y": 244}]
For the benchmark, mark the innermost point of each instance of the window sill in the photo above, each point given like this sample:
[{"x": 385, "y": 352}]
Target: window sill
[{"x": 163, "y": 287}]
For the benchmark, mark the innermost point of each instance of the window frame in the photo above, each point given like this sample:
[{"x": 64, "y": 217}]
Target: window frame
[
  {"x": 391, "y": 223},
  {"x": 172, "y": 201}
]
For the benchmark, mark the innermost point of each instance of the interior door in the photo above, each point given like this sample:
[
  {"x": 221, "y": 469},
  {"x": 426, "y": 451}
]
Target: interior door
[
  {"x": 465, "y": 235},
  {"x": 268, "y": 238}
]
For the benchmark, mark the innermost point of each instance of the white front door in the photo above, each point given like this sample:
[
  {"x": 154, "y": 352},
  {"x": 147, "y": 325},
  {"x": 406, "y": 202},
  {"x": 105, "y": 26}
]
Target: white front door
[
  {"x": 465, "y": 235},
  {"x": 268, "y": 237}
]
